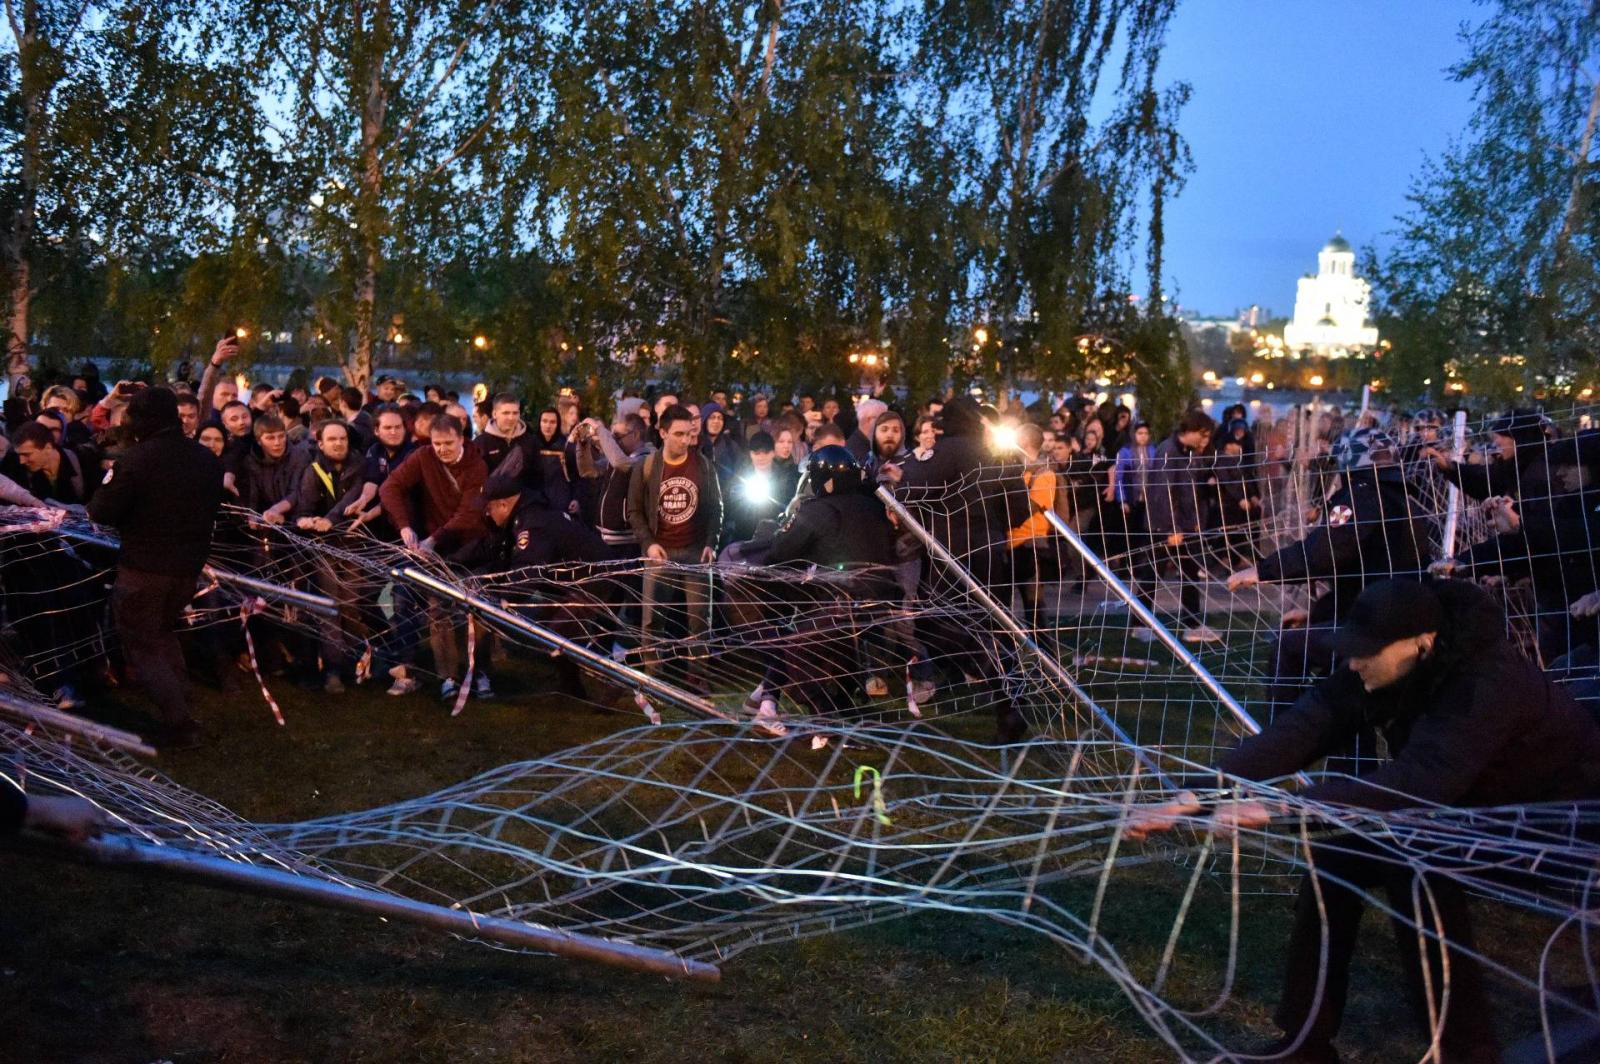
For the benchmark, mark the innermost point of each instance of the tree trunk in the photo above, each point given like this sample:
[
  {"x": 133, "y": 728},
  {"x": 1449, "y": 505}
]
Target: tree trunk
[
  {"x": 369, "y": 214},
  {"x": 19, "y": 245}
]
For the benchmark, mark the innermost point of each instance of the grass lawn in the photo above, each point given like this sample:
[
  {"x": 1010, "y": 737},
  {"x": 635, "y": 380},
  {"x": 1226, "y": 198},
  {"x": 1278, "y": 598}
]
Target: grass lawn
[{"x": 101, "y": 966}]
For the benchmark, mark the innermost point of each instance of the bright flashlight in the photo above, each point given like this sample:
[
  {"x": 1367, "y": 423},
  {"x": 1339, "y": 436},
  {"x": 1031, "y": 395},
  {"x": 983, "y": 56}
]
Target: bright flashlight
[
  {"x": 1003, "y": 437},
  {"x": 757, "y": 487}
]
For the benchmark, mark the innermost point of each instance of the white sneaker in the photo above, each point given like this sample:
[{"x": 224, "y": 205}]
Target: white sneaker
[
  {"x": 877, "y": 687},
  {"x": 753, "y": 700},
  {"x": 404, "y": 685},
  {"x": 481, "y": 688},
  {"x": 922, "y": 691},
  {"x": 767, "y": 719},
  {"x": 1201, "y": 633},
  {"x": 1144, "y": 635},
  {"x": 448, "y": 689}
]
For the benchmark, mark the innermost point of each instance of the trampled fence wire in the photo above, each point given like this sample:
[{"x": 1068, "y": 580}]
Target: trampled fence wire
[{"x": 705, "y": 839}]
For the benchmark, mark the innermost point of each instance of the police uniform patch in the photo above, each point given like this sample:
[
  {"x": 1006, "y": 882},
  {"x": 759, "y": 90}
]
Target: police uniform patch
[
  {"x": 1340, "y": 515},
  {"x": 522, "y": 539}
]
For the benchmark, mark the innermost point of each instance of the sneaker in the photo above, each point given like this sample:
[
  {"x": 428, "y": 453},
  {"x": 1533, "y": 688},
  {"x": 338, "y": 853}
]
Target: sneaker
[
  {"x": 333, "y": 685},
  {"x": 619, "y": 653},
  {"x": 481, "y": 688},
  {"x": 877, "y": 687},
  {"x": 405, "y": 685},
  {"x": 753, "y": 700},
  {"x": 1144, "y": 635},
  {"x": 185, "y": 736},
  {"x": 448, "y": 689},
  {"x": 1201, "y": 633},
  {"x": 923, "y": 691},
  {"x": 67, "y": 698},
  {"x": 767, "y": 719}
]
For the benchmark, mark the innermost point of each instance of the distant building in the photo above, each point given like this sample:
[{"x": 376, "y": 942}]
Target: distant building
[{"x": 1330, "y": 308}]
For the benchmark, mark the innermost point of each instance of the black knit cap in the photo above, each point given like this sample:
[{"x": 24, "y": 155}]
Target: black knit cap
[
  {"x": 153, "y": 411},
  {"x": 1386, "y": 612}
]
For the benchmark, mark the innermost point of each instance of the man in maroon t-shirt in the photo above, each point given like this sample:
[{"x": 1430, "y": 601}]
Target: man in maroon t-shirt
[{"x": 675, "y": 507}]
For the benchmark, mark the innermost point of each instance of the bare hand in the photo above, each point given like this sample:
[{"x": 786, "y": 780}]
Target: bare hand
[
  {"x": 272, "y": 517},
  {"x": 226, "y": 348},
  {"x": 353, "y": 509},
  {"x": 1145, "y": 821},
  {"x": 655, "y": 552},
  {"x": 1295, "y": 618},
  {"x": 1243, "y": 578},
  {"x": 1587, "y": 606},
  {"x": 707, "y": 556},
  {"x": 1110, "y": 495},
  {"x": 892, "y": 472},
  {"x": 1175, "y": 540},
  {"x": 408, "y": 537},
  {"x": 1246, "y": 815}
]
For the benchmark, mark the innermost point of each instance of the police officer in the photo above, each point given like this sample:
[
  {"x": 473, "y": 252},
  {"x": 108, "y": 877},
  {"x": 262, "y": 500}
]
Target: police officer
[
  {"x": 842, "y": 532},
  {"x": 1471, "y": 723},
  {"x": 162, "y": 496},
  {"x": 525, "y": 530},
  {"x": 840, "y": 524},
  {"x": 1369, "y": 530}
]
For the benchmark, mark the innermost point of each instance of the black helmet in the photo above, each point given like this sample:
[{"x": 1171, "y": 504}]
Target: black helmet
[{"x": 836, "y": 464}]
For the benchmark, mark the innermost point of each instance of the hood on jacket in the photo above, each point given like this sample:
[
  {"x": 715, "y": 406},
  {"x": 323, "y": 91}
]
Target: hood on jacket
[{"x": 491, "y": 430}]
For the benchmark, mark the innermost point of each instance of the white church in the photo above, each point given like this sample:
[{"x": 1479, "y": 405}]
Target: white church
[{"x": 1330, "y": 308}]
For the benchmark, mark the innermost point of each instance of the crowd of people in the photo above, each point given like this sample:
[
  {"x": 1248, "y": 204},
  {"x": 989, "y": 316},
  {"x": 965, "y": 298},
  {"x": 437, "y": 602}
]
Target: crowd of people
[
  {"x": 872, "y": 498},
  {"x": 689, "y": 482}
]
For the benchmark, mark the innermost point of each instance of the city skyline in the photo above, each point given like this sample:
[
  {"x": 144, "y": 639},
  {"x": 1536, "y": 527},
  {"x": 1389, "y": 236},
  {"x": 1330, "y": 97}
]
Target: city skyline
[{"x": 1348, "y": 98}]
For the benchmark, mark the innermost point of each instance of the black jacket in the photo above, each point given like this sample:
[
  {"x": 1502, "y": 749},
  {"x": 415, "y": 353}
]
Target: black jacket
[
  {"x": 1370, "y": 530},
  {"x": 967, "y": 497},
  {"x": 836, "y": 530},
  {"x": 1477, "y": 724},
  {"x": 162, "y": 496},
  {"x": 535, "y": 535}
]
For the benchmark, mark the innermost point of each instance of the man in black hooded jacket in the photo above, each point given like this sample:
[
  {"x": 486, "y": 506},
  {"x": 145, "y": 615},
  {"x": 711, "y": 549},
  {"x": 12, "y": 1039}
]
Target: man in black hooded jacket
[
  {"x": 969, "y": 498},
  {"x": 162, "y": 497},
  {"x": 1470, "y": 722}
]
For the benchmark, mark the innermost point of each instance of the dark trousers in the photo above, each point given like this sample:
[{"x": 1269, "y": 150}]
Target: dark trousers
[
  {"x": 1160, "y": 558},
  {"x": 1344, "y": 865},
  {"x": 148, "y": 607}
]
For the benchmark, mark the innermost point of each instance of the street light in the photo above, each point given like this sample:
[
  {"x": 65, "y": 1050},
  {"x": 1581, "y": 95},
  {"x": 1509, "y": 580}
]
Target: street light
[
  {"x": 980, "y": 335},
  {"x": 1316, "y": 380},
  {"x": 480, "y": 341}
]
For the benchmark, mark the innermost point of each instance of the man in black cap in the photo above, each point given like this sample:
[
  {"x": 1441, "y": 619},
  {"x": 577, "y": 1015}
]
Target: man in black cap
[
  {"x": 1470, "y": 722},
  {"x": 162, "y": 497}
]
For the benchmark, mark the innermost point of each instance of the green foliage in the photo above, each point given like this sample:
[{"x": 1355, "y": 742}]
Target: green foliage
[
  {"x": 1498, "y": 260},
  {"x": 606, "y": 191}
]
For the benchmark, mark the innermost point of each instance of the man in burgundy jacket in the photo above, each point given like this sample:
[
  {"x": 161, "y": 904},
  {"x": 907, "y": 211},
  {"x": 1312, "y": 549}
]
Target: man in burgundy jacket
[{"x": 430, "y": 499}]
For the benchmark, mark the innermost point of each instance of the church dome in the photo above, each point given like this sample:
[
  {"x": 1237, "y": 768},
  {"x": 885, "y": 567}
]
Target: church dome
[{"x": 1338, "y": 243}]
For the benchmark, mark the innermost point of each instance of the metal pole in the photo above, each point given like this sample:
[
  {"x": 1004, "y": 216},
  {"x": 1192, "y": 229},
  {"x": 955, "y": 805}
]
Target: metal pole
[
  {"x": 123, "y": 852},
  {"x": 1150, "y": 621},
  {"x": 1162, "y": 632},
  {"x": 1458, "y": 450},
  {"x": 577, "y": 651},
  {"x": 1012, "y": 625},
  {"x": 261, "y": 588},
  {"x": 274, "y": 592},
  {"x": 57, "y": 720}
]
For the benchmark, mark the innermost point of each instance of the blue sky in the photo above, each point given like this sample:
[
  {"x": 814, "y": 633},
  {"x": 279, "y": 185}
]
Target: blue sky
[{"x": 1307, "y": 116}]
